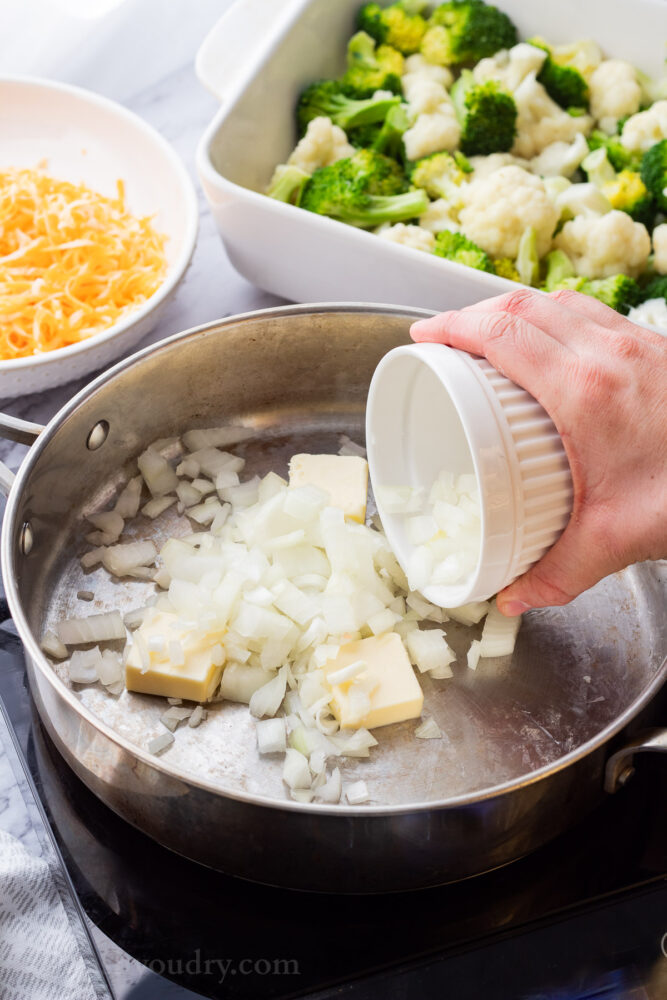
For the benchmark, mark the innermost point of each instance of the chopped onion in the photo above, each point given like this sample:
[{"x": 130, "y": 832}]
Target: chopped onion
[
  {"x": 160, "y": 743},
  {"x": 356, "y": 793},
  {"x": 158, "y": 474},
  {"x": 198, "y": 716},
  {"x": 347, "y": 673},
  {"x": 157, "y": 506},
  {"x": 173, "y": 716},
  {"x": 188, "y": 467},
  {"x": 354, "y": 744},
  {"x": 271, "y": 736},
  {"x": 134, "y": 618},
  {"x": 216, "y": 437},
  {"x": 268, "y": 699},
  {"x": 84, "y": 665},
  {"x": 188, "y": 494},
  {"x": 429, "y": 651},
  {"x": 109, "y": 522},
  {"x": 469, "y": 614},
  {"x": 499, "y": 633},
  {"x": 110, "y": 668},
  {"x": 296, "y": 772},
  {"x": 331, "y": 790},
  {"x": 474, "y": 654},
  {"x": 350, "y": 447},
  {"x": 428, "y": 730},
  {"x": 129, "y": 498},
  {"x": 92, "y": 558},
  {"x": 96, "y": 628},
  {"x": 120, "y": 559},
  {"x": 52, "y": 646}
]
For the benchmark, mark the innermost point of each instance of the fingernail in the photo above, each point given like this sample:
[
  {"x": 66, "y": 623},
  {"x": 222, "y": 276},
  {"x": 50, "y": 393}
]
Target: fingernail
[{"x": 514, "y": 608}]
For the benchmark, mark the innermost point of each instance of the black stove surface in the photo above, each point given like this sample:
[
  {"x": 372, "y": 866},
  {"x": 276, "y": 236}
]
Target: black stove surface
[{"x": 586, "y": 916}]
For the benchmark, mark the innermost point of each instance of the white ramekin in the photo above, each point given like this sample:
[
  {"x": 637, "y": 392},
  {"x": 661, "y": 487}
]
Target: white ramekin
[{"x": 432, "y": 408}]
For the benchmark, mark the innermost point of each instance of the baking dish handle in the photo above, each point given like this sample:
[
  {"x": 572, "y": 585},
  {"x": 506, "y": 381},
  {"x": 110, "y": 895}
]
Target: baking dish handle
[
  {"x": 235, "y": 43},
  {"x": 620, "y": 766},
  {"x": 21, "y": 431}
]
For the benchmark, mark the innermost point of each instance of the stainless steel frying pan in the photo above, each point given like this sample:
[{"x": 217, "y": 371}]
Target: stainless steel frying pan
[{"x": 528, "y": 745}]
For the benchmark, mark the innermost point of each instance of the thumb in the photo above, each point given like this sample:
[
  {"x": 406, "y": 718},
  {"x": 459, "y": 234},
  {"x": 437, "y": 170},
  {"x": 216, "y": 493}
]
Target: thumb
[{"x": 578, "y": 560}]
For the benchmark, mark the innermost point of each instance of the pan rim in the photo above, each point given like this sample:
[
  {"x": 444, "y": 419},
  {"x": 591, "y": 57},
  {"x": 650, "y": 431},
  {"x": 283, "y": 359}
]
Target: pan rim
[{"x": 41, "y": 663}]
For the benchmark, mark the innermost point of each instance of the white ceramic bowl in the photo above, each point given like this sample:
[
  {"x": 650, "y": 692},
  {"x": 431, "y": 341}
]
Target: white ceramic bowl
[
  {"x": 431, "y": 408},
  {"x": 81, "y": 137},
  {"x": 257, "y": 59}
]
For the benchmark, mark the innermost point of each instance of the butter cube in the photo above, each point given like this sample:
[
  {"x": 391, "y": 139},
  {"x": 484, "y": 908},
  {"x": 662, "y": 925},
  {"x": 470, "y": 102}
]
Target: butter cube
[
  {"x": 387, "y": 678},
  {"x": 343, "y": 477},
  {"x": 196, "y": 679}
]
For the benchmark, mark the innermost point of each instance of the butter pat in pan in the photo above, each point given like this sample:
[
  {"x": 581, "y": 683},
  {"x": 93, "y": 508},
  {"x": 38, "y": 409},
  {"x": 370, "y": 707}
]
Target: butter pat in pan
[
  {"x": 180, "y": 664},
  {"x": 383, "y": 687},
  {"x": 343, "y": 477}
]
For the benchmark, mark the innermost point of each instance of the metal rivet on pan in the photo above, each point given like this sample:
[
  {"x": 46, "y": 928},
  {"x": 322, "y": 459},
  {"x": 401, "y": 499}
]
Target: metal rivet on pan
[
  {"x": 97, "y": 436},
  {"x": 26, "y": 538}
]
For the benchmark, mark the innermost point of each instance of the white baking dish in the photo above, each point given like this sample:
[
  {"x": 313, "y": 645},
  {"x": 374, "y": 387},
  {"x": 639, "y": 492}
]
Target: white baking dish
[{"x": 258, "y": 58}]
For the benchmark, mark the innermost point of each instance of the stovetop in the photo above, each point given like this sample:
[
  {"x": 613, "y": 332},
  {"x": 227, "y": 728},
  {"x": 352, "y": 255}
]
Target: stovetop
[{"x": 585, "y": 916}]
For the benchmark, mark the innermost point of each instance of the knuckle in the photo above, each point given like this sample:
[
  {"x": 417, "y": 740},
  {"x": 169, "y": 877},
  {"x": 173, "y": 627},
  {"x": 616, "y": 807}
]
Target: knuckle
[
  {"x": 546, "y": 591},
  {"x": 627, "y": 346},
  {"x": 520, "y": 301},
  {"x": 565, "y": 296},
  {"x": 497, "y": 327}
]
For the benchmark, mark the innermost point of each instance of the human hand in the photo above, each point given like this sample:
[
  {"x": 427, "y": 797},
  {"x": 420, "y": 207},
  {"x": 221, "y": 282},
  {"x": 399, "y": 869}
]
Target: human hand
[{"x": 603, "y": 382}]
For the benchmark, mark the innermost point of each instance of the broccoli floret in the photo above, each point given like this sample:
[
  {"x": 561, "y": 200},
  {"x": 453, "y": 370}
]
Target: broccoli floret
[
  {"x": 504, "y": 268},
  {"x": 457, "y": 247},
  {"x": 486, "y": 114},
  {"x": 618, "y": 291},
  {"x": 399, "y": 25},
  {"x": 465, "y": 31},
  {"x": 656, "y": 289},
  {"x": 330, "y": 99},
  {"x": 287, "y": 183},
  {"x": 563, "y": 83},
  {"x": 386, "y": 138},
  {"x": 559, "y": 268},
  {"x": 654, "y": 172},
  {"x": 625, "y": 191},
  {"x": 440, "y": 174},
  {"x": 363, "y": 190},
  {"x": 370, "y": 69},
  {"x": 619, "y": 157}
]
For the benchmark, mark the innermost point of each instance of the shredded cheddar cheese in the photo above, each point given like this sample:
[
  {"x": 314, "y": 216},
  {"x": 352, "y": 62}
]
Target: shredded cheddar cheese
[{"x": 72, "y": 262}]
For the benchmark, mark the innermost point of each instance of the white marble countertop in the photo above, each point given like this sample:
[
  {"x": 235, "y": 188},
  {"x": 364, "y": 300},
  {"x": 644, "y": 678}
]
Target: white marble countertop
[{"x": 140, "y": 53}]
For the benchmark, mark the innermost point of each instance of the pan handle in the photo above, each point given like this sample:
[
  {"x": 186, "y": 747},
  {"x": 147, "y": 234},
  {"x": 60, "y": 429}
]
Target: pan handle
[
  {"x": 620, "y": 766},
  {"x": 21, "y": 431}
]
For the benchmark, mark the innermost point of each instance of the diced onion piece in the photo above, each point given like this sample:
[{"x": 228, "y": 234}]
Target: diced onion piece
[
  {"x": 129, "y": 498},
  {"x": 347, "y": 673},
  {"x": 95, "y": 628},
  {"x": 400, "y": 499},
  {"x": 350, "y": 447},
  {"x": 157, "y": 506},
  {"x": 52, "y": 646},
  {"x": 428, "y": 730},
  {"x": 197, "y": 717},
  {"x": 469, "y": 614},
  {"x": 499, "y": 633},
  {"x": 296, "y": 772},
  {"x": 160, "y": 743},
  {"x": 134, "y": 618},
  {"x": 474, "y": 654},
  {"x": 271, "y": 736},
  {"x": 158, "y": 474},
  {"x": 216, "y": 437},
  {"x": 84, "y": 665},
  {"x": 120, "y": 559},
  {"x": 173, "y": 716},
  {"x": 110, "y": 668},
  {"x": 188, "y": 494},
  {"x": 204, "y": 513},
  {"x": 109, "y": 521},
  {"x": 92, "y": 558},
  {"x": 188, "y": 467},
  {"x": 382, "y": 622},
  {"x": 357, "y": 792},
  {"x": 331, "y": 790},
  {"x": 204, "y": 486},
  {"x": 354, "y": 744},
  {"x": 268, "y": 699},
  {"x": 429, "y": 651}
]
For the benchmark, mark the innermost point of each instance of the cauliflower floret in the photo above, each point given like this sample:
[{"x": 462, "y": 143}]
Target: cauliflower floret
[
  {"x": 501, "y": 206},
  {"x": 653, "y": 312},
  {"x": 407, "y": 236},
  {"x": 615, "y": 93},
  {"x": 541, "y": 122},
  {"x": 432, "y": 132},
  {"x": 643, "y": 130},
  {"x": 602, "y": 245},
  {"x": 510, "y": 67},
  {"x": 484, "y": 165},
  {"x": 322, "y": 145},
  {"x": 581, "y": 199},
  {"x": 560, "y": 159},
  {"x": 424, "y": 95},
  {"x": 660, "y": 248},
  {"x": 438, "y": 216},
  {"x": 416, "y": 65}
]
